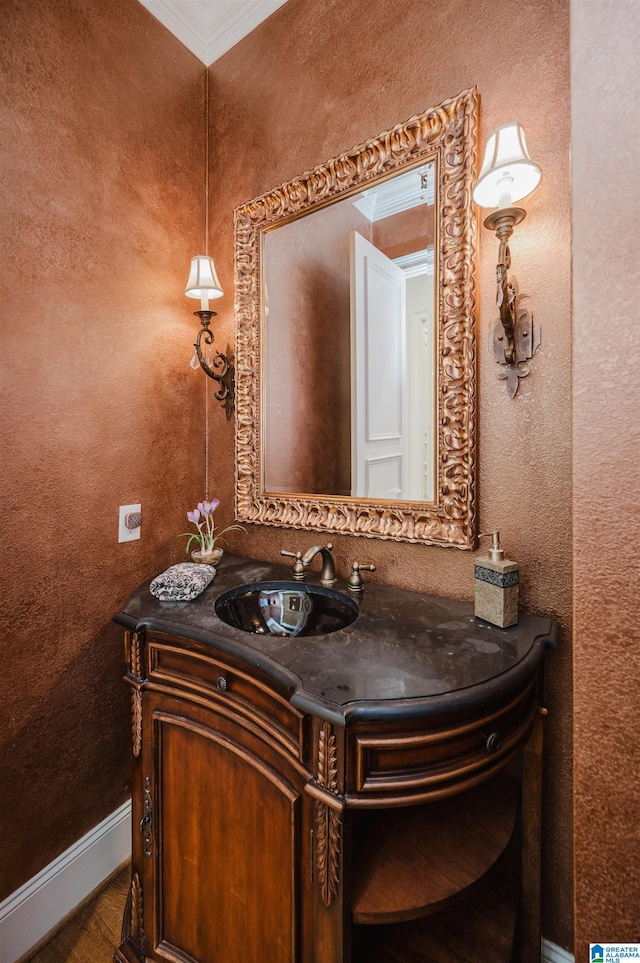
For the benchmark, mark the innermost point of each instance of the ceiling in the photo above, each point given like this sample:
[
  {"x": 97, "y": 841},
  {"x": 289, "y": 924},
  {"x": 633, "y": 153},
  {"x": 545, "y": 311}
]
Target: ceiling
[{"x": 211, "y": 27}]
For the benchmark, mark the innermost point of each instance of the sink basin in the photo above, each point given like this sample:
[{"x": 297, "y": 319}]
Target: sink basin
[{"x": 286, "y": 609}]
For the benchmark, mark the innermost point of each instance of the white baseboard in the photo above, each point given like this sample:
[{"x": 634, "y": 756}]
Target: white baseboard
[
  {"x": 37, "y": 907},
  {"x": 555, "y": 954}
]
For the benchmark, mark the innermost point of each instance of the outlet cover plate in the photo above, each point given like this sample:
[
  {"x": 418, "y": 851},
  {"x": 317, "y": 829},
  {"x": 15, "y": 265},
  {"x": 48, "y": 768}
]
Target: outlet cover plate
[{"x": 127, "y": 534}]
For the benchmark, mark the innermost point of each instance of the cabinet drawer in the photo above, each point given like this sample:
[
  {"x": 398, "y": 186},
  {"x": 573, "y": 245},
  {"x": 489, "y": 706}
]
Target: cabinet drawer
[
  {"x": 437, "y": 762},
  {"x": 228, "y": 686}
]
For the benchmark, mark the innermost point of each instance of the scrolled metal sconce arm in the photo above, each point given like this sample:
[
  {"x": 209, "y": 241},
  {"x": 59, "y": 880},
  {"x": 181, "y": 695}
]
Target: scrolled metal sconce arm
[
  {"x": 515, "y": 336},
  {"x": 222, "y": 368},
  {"x": 503, "y": 223}
]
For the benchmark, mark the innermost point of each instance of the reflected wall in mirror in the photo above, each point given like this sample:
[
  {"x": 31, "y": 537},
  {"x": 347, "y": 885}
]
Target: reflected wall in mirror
[{"x": 355, "y": 339}]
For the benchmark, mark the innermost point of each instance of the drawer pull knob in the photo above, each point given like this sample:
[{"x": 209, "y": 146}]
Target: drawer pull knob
[
  {"x": 221, "y": 683},
  {"x": 492, "y": 742}
]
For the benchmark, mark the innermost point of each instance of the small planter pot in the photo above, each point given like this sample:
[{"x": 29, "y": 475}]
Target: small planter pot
[{"x": 211, "y": 557}]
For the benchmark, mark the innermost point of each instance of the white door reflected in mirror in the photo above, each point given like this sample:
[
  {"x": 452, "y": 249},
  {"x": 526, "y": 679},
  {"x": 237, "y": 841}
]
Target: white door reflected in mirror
[
  {"x": 378, "y": 373},
  {"x": 392, "y": 359}
]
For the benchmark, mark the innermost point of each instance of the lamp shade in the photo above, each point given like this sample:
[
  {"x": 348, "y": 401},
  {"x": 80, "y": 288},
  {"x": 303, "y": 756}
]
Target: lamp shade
[
  {"x": 508, "y": 173},
  {"x": 203, "y": 280}
]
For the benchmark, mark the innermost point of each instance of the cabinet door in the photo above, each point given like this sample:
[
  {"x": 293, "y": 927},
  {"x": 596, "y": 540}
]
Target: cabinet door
[{"x": 222, "y": 881}]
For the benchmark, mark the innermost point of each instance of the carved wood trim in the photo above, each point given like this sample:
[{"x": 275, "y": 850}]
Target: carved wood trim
[
  {"x": 328, "y": 837},
  {"x": 136, "y": 721},
  {"x": 136, "y": 920},
  {"x": 132, "y": 933},
  {"x": 327, "y": 759},
  {"x": 328, "y": 819},
  {"x": 136, "y": 658},
  {"x": 132, "y": 645},
  {"x": 448, "y": 133}
]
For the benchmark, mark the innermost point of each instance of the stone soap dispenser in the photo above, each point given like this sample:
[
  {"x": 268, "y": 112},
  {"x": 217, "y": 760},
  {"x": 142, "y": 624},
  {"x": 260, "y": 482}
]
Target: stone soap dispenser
[{"x": 496, "y": 580}]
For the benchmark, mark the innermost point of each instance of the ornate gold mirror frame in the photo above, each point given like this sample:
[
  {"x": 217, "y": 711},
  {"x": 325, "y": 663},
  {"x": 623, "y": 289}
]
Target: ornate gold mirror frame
[{"x": 447, "y": 134}]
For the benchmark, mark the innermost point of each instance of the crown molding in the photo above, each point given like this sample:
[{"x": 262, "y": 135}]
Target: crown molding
[
  {"x": 398, "y": 195},
  {"x": 420, "y": 262},
  {"x": 211, "y": 27}
]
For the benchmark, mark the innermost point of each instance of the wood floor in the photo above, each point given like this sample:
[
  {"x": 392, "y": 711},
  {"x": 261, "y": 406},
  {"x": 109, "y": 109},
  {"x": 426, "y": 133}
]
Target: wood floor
[{"x": 94, "y": 934}]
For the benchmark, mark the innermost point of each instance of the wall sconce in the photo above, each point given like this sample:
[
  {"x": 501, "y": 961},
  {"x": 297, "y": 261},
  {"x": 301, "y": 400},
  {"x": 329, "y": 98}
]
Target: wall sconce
[
  {"x": 203, "y": 284},
  {"x": 508, "y": 174}
]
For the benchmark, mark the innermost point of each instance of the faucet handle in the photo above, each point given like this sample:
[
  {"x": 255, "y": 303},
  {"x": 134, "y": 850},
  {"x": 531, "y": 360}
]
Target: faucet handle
[
  {"x": 355, "y": 579},
  {"x": 299, "y": 570}
]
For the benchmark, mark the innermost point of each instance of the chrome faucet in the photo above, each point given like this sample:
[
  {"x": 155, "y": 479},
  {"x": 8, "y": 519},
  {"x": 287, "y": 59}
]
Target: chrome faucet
[{"x": 328, "y": 574}]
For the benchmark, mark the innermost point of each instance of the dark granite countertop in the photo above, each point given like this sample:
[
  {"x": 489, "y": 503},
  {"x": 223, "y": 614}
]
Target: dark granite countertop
[{"x": 405, "y": 653}]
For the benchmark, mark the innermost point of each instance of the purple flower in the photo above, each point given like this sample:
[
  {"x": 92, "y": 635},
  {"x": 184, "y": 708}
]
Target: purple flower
[
  {"x": 194, "y": 516},
  {"x": 207, "y": 508}
]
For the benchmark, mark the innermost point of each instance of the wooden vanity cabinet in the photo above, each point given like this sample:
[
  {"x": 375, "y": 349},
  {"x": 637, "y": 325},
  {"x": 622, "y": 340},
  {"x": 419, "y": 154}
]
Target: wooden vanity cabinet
[
  {"x": 221, "y": 844},
  {"x": 272, "y": 824},
  {"x": 264, "y": 835},
  {"x": 229, "y": 813}
]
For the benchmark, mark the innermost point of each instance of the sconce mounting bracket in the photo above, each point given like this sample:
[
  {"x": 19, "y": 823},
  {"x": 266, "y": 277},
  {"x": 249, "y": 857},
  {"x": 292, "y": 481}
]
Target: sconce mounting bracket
[
  {"x": 525, "y": 343},
  {"x": 221, "y": 368}
]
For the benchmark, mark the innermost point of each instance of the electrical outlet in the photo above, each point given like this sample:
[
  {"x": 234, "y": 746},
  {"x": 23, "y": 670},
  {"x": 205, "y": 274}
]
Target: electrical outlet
[{"x": 125, "y": 532}]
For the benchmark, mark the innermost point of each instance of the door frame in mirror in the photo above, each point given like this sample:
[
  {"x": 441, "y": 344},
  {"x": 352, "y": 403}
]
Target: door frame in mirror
[{"x": 447, "y": 133}]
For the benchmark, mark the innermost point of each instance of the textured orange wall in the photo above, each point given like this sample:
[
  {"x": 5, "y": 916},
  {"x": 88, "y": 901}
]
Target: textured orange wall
[
  {"x": 101, "y": 122},
  {"x": 606, "y": 402},
  {"x": 317, "y": 78}
]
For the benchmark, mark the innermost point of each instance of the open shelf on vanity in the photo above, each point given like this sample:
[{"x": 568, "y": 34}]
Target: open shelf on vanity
[
  {"x": 478, "y": 927},
  {"x": 434, "y": 880},
  {"x": 416, "y": 861}
]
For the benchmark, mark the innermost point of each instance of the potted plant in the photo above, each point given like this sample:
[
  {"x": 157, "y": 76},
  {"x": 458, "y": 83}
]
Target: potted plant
[{"x": 207, "y": 535}]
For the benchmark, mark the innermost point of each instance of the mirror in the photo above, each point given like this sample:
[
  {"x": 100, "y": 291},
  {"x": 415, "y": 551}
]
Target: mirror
[{"x": 355, "y": 339}]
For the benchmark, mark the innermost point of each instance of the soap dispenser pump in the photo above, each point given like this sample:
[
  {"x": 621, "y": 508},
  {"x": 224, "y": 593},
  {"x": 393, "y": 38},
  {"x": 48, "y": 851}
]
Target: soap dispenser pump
[{"x": 496, "y": 578}]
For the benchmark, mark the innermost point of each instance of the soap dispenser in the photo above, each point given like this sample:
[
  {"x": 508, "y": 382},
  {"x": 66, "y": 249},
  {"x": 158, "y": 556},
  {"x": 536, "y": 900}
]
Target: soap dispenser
[{"x": 496, "y": 580}]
